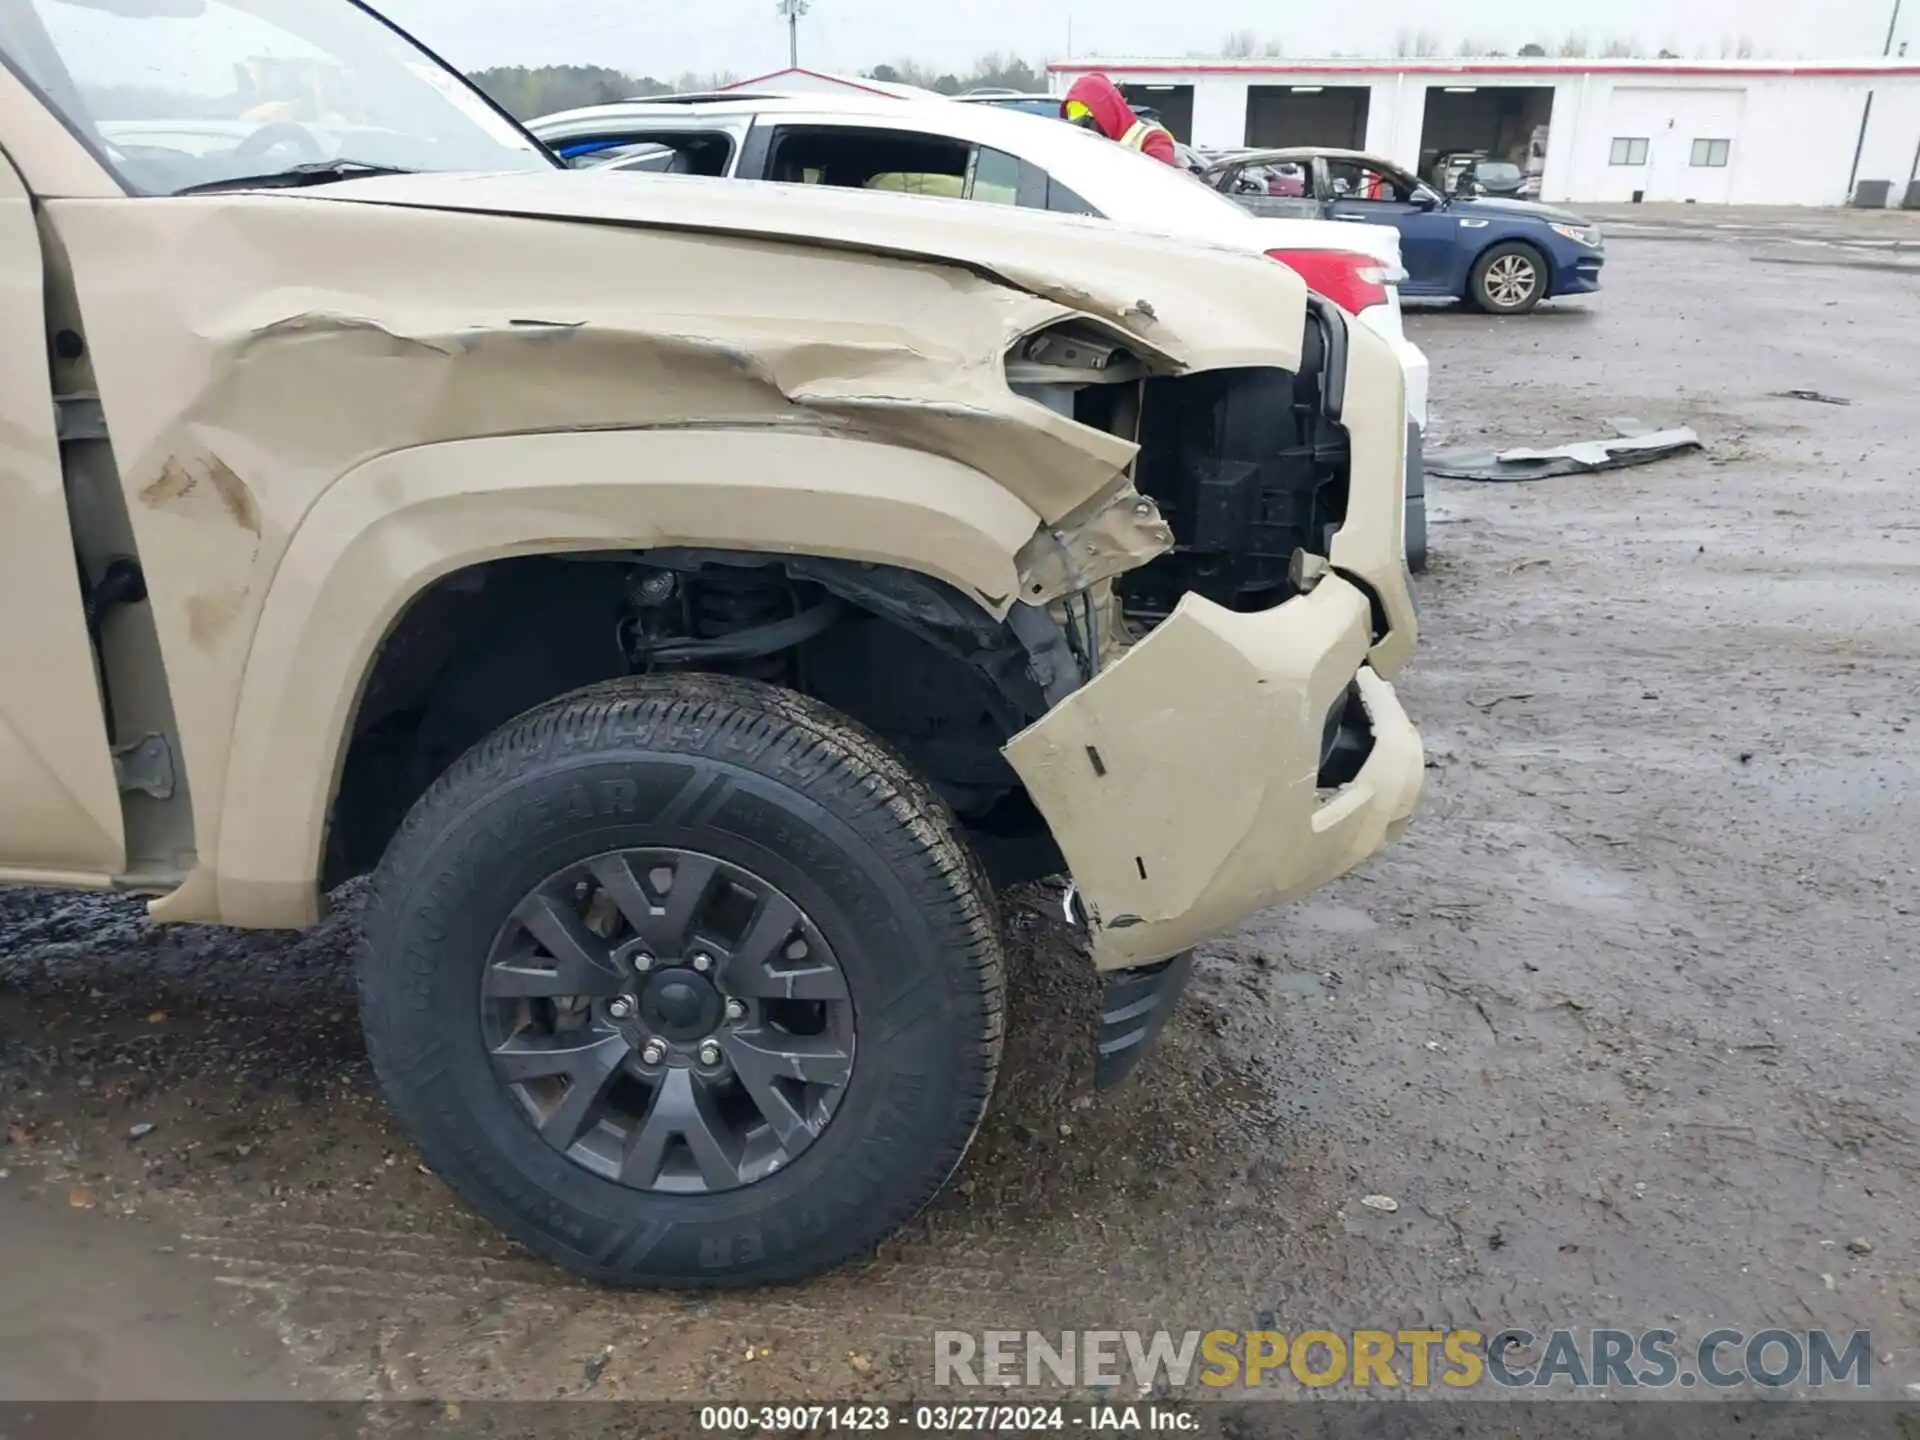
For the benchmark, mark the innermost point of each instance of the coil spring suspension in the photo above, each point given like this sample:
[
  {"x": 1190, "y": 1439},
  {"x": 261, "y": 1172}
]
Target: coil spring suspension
[{"x": 726, "y": 599}]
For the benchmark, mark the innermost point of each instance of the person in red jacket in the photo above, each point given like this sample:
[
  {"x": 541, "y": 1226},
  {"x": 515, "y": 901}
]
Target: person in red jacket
[{"x": 1096, "y": 103}]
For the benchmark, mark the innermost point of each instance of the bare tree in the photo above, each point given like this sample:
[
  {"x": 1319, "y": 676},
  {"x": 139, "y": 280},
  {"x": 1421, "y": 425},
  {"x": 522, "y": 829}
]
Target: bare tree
[
  {"x": 1736, "y": 47},
  {"x": 1426, "y": 44},
  {"x": 1403, "y": 42},
  {"x": 693, "y": 82},
  {"x": 1574, "y": 47},
  {"x": 1471, "y": 45},
  {"x": 1620, "y": 47},
  {"x": 1272, "y": 49},
  {"x": 1240, "y": 45},
  {"x": 999, "y": 71}
]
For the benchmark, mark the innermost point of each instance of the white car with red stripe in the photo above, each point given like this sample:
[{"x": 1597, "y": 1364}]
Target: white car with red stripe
[{"x": 996, "y": 155}]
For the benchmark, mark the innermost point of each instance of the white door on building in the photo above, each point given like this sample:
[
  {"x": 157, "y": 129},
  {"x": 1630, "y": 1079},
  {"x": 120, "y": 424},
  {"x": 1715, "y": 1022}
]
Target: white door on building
[{"x": 1673, "y": 143}]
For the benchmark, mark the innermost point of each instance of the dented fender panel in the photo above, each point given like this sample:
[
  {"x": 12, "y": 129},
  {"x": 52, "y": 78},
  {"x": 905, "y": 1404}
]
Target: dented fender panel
[
  {"x": 394, "y": 526},
  {"x": 1182, "y": 786},
  {"x": 253, "y": 349}
]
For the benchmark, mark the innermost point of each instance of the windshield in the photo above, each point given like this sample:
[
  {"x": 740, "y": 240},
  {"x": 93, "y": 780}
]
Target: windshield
[
  {"x": 1497, "y": 172},
  {"x": 173, "y": 94}
]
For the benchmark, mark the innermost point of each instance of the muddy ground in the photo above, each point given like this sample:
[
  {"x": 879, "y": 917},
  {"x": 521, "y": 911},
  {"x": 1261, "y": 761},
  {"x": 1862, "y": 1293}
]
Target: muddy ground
[{"x": 1626, "y": 1024}]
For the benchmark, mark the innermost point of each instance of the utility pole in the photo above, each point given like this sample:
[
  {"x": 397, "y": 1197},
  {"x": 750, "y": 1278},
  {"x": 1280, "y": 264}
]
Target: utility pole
[{"x": 792, "y": 10}]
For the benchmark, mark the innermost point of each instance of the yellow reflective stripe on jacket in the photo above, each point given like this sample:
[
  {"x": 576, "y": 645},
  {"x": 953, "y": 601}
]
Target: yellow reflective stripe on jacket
[{"x": 1136, "y": 137}]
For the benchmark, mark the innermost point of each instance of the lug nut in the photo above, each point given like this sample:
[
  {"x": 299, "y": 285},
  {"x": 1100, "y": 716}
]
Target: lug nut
[
  {"x": 620, "y": 1008},
  {"x": 654, "y": 1053},
  {"x": 709, "y": 1053},
  {"x": 736, "y": 1009},
  {"x": 703, "y": 963},
  {"x": 642, "y": 963}
]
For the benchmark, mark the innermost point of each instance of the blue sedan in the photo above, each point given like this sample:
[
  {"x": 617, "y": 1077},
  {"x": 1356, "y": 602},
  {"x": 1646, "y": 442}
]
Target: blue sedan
[{"x": 1502, "y": 255}]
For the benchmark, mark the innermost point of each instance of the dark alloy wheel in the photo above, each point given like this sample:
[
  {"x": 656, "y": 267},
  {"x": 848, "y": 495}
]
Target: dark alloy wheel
[
  {"x": 685, "y": 981},
  {"x": 668, "y": 1020}
]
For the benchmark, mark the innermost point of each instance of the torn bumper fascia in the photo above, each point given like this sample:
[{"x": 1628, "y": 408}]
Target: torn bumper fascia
[{"x": 1182, "y": 784}]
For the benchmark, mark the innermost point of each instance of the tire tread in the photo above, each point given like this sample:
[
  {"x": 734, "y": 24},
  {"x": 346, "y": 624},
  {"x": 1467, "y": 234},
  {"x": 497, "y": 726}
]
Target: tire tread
[{"x": 802, "y": 743}]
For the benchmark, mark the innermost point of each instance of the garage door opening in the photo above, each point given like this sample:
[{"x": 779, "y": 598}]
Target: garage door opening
[
  {"x": 1330, "y": 115},
  {"x": 1490, "y": 122},
  {"x": 1172, "y": 104}
]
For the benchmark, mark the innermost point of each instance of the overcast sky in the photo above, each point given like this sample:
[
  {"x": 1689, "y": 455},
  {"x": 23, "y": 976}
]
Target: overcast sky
[{"x": 668, "y": 37}]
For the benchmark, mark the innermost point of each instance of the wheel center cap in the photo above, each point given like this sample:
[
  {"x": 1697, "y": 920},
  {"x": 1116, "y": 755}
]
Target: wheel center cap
[{"x": 681, "y": 1005}]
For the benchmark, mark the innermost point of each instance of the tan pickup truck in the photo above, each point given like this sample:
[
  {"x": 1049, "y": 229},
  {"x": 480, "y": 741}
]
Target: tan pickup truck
[{"x": 689, "y": 600}]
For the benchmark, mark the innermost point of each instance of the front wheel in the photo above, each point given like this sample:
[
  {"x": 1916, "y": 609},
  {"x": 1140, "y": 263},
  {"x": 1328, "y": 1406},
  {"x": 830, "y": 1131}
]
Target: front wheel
[
  {"x": 685, "y": 982},
  {"x": 1509, "y": 279}
]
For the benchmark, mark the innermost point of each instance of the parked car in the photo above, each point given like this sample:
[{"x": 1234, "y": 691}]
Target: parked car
[
  {"x": 671, "y": 591},
  {"x": 1483, "y": 176},
  {"x": 1445, "y": 172},
  {"x": 986, "y": 153},
  {"x": 1503, "y": 255},
  {"x": 1474, "y": 172}
]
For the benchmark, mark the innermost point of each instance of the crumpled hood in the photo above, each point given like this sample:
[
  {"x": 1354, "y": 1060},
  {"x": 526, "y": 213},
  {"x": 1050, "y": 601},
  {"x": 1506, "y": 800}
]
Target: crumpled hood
[
  {"x": 1198, "y": 306},
  {"x": 252, "y": 348}
]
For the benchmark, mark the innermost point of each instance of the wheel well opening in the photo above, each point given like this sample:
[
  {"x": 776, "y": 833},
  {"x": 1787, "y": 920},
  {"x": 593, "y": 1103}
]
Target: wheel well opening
[{"x": 914, "y": 660}]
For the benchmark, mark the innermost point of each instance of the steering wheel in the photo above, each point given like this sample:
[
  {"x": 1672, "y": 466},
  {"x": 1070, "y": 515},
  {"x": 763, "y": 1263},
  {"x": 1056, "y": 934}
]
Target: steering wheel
[{"x": 272, "y": 136}]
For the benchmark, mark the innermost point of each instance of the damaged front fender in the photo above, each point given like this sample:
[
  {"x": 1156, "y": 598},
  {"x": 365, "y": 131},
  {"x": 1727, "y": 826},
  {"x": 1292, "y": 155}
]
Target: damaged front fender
[{"x": 251, "y": 350}]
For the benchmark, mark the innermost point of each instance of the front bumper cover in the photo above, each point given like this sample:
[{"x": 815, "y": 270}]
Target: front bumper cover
[{"x": 1182, "y": 784}]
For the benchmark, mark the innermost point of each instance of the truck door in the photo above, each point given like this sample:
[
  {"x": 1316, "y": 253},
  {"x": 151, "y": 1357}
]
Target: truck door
[{"x": 59, "y": 803}]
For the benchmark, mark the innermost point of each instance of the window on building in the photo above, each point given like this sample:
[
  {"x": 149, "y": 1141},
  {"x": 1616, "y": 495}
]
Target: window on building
[
  {"x": 1711, "y": 152},
  {"x": 1628, "y": 151}
]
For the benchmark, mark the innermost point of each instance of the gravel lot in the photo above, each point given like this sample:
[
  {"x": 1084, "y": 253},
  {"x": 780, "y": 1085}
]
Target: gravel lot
[{"x": 1626, "y": 1024}]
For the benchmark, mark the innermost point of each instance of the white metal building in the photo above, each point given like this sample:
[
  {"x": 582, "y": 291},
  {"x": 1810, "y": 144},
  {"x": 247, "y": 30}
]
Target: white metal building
[{"x": 1732, "y": 132}]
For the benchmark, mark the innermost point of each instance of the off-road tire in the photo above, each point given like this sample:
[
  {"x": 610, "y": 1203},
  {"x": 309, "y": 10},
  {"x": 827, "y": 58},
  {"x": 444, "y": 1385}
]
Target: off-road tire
[
  {"x": 1484, "y": 294},
  {"x": 816, "y": 803}
]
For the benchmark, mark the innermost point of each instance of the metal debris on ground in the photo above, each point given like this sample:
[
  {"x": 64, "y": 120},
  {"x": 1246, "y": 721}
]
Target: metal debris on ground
[
  {"x": 1816, "y": 396},
  {"x": 1632, "y": 444},
  {"x": 1380, "y": 1202}
]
